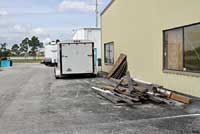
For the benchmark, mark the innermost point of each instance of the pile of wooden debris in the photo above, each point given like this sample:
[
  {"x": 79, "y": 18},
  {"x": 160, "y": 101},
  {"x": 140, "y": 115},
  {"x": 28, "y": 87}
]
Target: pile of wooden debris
[{"x": 131, "y": 91}]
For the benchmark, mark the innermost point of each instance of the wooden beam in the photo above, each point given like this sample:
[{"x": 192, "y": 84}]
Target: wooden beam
[
  {"x": 180, "y": 98},
  {"x": 117, "y": 64}
]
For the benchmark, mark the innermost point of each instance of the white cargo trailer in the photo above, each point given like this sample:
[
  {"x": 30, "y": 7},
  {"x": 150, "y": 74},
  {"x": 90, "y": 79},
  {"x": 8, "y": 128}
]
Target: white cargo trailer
[
  {"x": 75, "y": 58},
  {"x": 50, "y": 54},
  {"x": 94, "y": 35}
]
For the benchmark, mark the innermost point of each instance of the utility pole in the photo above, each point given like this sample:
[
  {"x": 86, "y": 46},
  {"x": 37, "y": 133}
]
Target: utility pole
[{"x": 97, "y": 13}]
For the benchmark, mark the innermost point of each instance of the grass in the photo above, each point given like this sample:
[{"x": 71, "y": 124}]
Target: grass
[{"x": 26, "y": 60}]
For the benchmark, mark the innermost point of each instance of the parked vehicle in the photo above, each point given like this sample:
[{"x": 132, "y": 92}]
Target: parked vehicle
[
  {"x": 75, "y": 58},
  {"x": 94, "y": 35},
  {"x": 5, "y": 62},
  {"x": 50, "y": 54}
]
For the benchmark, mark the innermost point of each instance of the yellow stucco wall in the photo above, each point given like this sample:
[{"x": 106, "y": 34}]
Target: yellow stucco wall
[{"x": 136, "y": 27}]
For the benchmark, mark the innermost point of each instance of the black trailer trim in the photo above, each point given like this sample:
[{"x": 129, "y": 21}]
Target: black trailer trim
[
  {"x": 93, "y": 57},
  {"x": 61, "y": 69}
]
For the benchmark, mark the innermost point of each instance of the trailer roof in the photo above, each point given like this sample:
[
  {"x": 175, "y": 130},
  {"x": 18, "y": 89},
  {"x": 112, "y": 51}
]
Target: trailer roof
[
  {"x": 92, "y": 28},
  {"x": 75, "y": 41}
]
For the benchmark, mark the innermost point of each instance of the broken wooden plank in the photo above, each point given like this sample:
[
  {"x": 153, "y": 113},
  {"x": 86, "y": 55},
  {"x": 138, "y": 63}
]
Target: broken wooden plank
[
  {"x": 180, "y": 98},
  {"x": 107, "y": 95},
  {"x": 134, "y": 96},
  {"x": 113, "y": 96},
  {"x": 130, "y": 82},
  {"x": 119, "y": 61},
  {"x": 111, "y": 88},
  {"x": 118, "y": 85},
  {"x": 141, "y": 89},
  {"x": 129, "y": 100},
  {"x": 157, "y": 99},
  {"x": 132, "y": 85},
  {"x": 174, "y": 96},
  {"x": 123, "y": 83},
  {"x": 121, "y": 71}
]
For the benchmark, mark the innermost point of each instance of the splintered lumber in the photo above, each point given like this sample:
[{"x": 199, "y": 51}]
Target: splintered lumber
[
  {"x": 132, "y": 85},
  {"x": 117, "y": 65},
  {"x": 174, "y": 96},
  {"x": 111, "y": 88},
  {"x": 134, "y": 91},
  {"x": 113, "y": 96},
  {"x": 124, "y": 82},
  {"x": 129, "y": 100},
  {"x": 180, "y": 98},
  {"x": 136, "y": 96},
  {"x": 122, "y": 92},
  {"x": 164, "y": 92},
  {"x": 118, "y": 84},
  {"x": 141, "y": 89},
  {"x": 130, "y": 82},
  {"x": 107, "y": 95},
  {"x": 157, "y": 99},
  {"x": 121, "y": 71}
]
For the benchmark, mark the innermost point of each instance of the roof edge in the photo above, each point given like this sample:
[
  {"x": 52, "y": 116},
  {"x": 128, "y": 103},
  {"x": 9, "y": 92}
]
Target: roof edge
[
  {"x": 92, "y": 28},
  {"x": 107, "y": 7}
]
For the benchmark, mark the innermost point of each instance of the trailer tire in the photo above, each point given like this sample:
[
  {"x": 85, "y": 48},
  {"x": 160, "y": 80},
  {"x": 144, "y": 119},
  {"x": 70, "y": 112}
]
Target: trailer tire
[{"x": 57, "y": 77}]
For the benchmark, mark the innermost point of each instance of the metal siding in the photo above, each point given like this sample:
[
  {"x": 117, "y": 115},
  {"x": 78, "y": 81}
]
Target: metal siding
[{"x": 136, "y": 27}]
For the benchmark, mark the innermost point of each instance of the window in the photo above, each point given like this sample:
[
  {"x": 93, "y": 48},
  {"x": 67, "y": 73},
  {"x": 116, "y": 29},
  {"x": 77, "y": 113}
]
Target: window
[
  {"x": 182, "y": 49},
  {"x": 109, "y": 53}
]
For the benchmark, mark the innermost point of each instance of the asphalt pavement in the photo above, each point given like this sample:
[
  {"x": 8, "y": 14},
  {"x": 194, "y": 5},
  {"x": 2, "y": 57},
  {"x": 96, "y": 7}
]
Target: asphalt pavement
[{"x": 32, "y": 101}]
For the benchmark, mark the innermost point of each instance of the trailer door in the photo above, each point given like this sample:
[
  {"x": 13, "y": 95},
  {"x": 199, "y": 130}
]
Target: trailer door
[{"x": 77, "y": 58}]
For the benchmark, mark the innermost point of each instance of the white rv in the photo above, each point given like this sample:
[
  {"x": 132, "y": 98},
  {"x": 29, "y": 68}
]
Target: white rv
[
  {"x": 94, "y": 35},
  {"x": 75, "y": 57},
  {"x": 50, "y": 54}
]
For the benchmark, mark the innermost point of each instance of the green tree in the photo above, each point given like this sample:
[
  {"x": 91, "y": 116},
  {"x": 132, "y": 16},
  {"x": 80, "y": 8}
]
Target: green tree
[
  {"x": 35, "y": 44},
  {"x": 15, "y": 49},
  {"x": 4, "y": 52},
  {"x": 24, "y": 46}
]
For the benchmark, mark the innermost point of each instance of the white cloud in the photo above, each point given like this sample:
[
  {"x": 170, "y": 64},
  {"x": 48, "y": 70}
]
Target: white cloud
[
  {"x": 18, "y": 32},
  {"x": 71, "y": 5},
  {"x": 3, "y": 12},
  {"x": 46, "y": 41},
  {"x": 3, "y": 22},
  {"x": 39, "y": 32},
  {"x": 20, "y": 29}
]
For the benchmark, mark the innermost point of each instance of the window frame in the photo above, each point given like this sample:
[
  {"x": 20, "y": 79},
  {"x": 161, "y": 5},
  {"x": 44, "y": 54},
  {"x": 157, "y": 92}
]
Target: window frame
[
  {"x": 108, "y": 43},
  {"x": 183, "y": 50}
]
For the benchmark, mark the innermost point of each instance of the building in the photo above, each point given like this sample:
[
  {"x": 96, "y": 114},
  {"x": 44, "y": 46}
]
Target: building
[
  {"x": 161, "y": 39},
  {"x": 94, "y": 35}
]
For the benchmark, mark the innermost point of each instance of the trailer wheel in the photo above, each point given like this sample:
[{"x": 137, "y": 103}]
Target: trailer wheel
[{"x": 56, "y": 76}]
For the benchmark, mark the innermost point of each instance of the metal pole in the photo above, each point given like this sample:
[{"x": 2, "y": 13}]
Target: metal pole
[{"x": 97, "y": 14}]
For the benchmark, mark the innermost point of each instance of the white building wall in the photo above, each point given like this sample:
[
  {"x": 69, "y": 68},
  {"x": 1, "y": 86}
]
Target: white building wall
[
  {"x": 79, "y": 35},
  {"x": 90, "y": 34},
  {"x": 95, "y": 36}
]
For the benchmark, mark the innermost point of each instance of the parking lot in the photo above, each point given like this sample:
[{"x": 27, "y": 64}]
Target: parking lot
[{"x": 32, "y": 101}]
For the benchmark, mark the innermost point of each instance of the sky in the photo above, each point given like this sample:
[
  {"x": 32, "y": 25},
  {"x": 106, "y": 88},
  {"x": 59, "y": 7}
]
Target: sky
[{"x": 47, "y": 19}]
